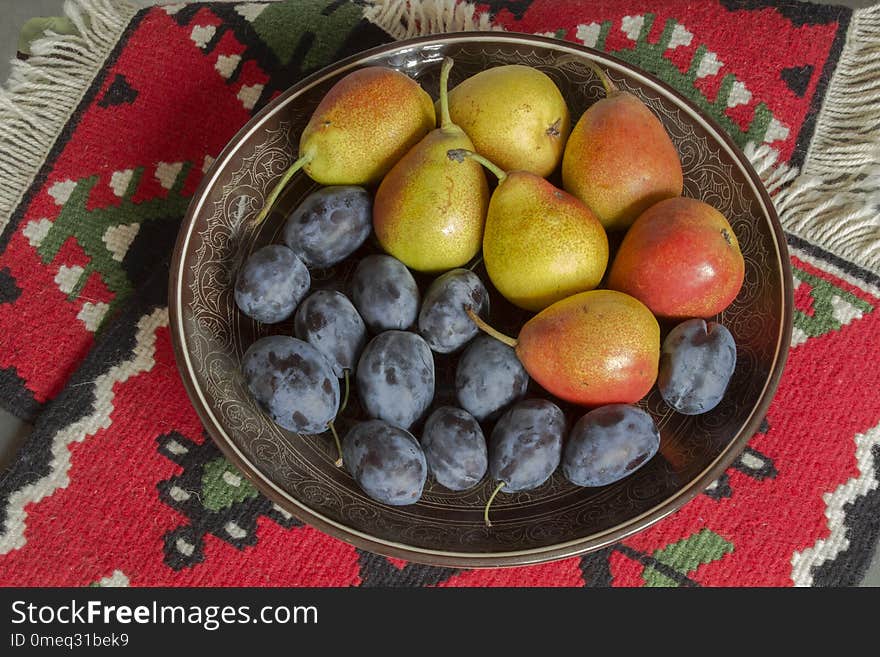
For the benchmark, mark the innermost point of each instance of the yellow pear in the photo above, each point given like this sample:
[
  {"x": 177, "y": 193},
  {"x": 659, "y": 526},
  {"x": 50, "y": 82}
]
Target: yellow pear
[
  {"x": 429, "y": 210},
  {"x": 516, "y": 117},
  {"x": 364, "y": 124},
  {"x": 540, "y": 244}
]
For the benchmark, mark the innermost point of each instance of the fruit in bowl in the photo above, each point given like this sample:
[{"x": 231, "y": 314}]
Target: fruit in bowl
[
  {"x": 516, "y": 117},
  {"x": 593, "y": 348},
  {"x": 619, "y": 159},
  {"x": 541, "y": 243},
  {"x": 362, "y": 126},
  {"x": 545, "y": 251},
  {"x": 477, "y": 379}
]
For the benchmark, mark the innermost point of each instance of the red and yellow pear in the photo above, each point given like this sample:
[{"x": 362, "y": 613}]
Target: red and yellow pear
[
  {"x": 364, "y": 124},
  {"x": 619, "y": 158},
  {"x": 680, "y": 258},
  {"x": 593, "y": 348}
]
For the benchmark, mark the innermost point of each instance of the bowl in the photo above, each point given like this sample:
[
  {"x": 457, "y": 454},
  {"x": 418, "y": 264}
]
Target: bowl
[{"x": 557, "y": 519}]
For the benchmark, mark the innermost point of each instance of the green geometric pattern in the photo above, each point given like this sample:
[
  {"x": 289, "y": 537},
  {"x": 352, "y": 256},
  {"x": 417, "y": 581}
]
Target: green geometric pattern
[
  {"x": 213, "y": 498},
  {"x": 88, "y": 228},
  {"x": 686, "y": 555},
  {"x": 650, "y": 56},
  {"x": 830, "y": 303},
  {"x": 223, "y": 485},
  {"x": 283, "y": 25}
]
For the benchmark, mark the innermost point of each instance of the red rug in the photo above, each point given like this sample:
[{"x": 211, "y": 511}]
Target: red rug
[{"x": 118, "y": 484}]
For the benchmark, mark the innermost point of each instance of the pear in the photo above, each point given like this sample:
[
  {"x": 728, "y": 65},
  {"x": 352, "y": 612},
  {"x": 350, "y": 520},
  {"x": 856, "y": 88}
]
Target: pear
[
  {"x": 619, "y": 159},
  {"x": 680, "y": 258},
  {"x": 541, "y": 244},
  {"x": 429, "y": 211},
  {"x": 594, "y": 348},
  {"x": 515, "y": 115},
  {"x": 365, "y": 123}
]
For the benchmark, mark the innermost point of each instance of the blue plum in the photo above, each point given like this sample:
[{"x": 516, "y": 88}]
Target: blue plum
[
  {"x": 526, "y": 444},
  {"x": 329, "y": 225},
  {"x": 609, "y": 443},
  {"x": 455, "y": 448},
  {"x": 386, "y": 461},
  {"x": 395, "y": 378},
  {"x": 292, "y": 382},
  {"x": 696, "y": 362},
  {"x": 271, "y": 283},
  {"x": 489, "y": 377},
  {"x": 329, "y": 322},
  {"x": 443, "y": 319},
  {"x": 525, "y": 447},
  {"x": 385, "y": 293}
]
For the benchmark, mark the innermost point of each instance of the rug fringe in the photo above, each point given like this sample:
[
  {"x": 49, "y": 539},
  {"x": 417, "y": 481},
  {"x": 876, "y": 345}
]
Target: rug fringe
[
  {"x": 835, "y": 200},
  {"x": 43, "y": 91},
  {"x": 403, "y": 19}
]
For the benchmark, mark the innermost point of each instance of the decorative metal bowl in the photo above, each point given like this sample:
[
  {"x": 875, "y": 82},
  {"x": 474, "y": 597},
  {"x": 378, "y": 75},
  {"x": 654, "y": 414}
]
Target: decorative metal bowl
[{"x": 557, "y": 519}]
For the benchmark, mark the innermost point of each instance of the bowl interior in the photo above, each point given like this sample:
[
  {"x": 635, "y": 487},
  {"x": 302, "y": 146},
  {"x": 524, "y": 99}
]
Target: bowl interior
[{"x": 557, "y": 519}]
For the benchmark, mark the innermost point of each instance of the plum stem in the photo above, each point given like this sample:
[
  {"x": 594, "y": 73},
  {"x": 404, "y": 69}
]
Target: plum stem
[
  {"x": 338, "y": 462},
  {"x": 489, "y": 503},
  {"x": 459, "y": 154},
  {"x": 610, "y": 88},
  {"x": 279, "y": 187},
  {"x": 445, "y": 119},
  {"x": 347, "y": 375},
  {"x": 483, "y": 326}
]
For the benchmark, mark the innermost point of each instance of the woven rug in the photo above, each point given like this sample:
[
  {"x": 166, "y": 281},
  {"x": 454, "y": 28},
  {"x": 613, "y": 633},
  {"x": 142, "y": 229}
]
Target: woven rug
[{"x": 104, "y": 136}]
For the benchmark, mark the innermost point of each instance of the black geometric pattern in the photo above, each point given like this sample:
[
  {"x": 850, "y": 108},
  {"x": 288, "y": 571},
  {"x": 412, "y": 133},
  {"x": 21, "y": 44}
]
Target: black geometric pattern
[
  {"x": 862, "y": 521},
  {"x": 797, "y": 78},
  {"x": 9, "y": 291},
  {"x": 235, "y": 523},
  {"x": 596, "y": 568},
  {"x": 516, "y": 7},
  {"x": 799, "y": 13},
  {"x": 119, "y": 91},
  {"x": 20, "y": 401},
  {"x": 362, "y": 36}
]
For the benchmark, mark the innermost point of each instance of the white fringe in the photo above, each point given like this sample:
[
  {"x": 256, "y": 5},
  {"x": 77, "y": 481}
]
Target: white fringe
[
  {"x": 834, "y": 201},
  {"x": 404, "y": 19},
  {"x": 42, "y": 92}
]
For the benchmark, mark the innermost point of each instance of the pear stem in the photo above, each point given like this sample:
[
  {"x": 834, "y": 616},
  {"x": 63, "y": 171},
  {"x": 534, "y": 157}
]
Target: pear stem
[
  {"x": 476, "y": 263},
  {"x": 445, "y": 119},
  {"x": 279, "y": 187},
  {"x": 458, "y": 154},
  {"x": 489, "y": 503},
  {"x": 483, "y": 326},
  {"x": 347, "y": 375},
  {"x": 610, "y": 88},
  {"x": 338, "y": 462}
]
